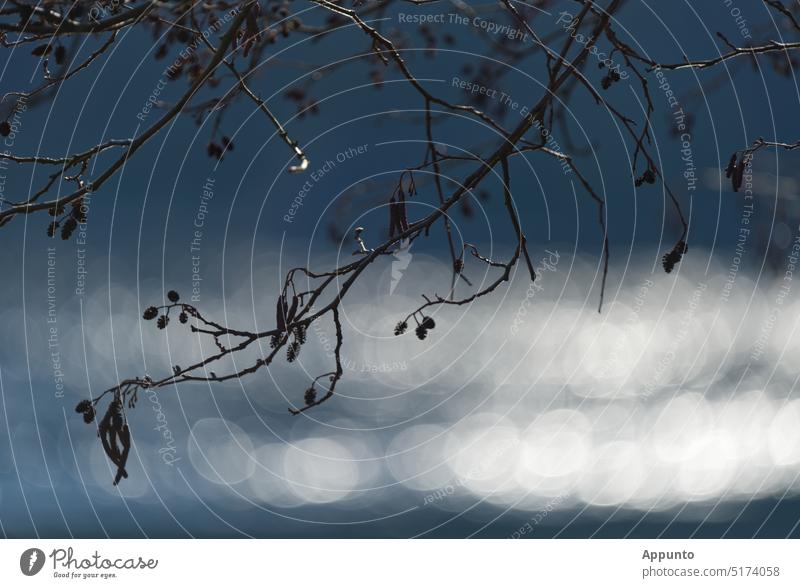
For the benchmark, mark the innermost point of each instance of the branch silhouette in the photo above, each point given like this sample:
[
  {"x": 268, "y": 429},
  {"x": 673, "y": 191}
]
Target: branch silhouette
[{"x": 306, "y": 295}]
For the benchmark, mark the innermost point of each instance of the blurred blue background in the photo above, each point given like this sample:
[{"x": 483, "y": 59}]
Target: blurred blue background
[{"x": 233, "y": 475}]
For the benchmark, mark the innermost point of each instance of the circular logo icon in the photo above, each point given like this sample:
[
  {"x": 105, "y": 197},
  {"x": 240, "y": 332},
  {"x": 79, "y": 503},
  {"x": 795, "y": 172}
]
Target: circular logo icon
[{"x": 31, "y": 561}]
